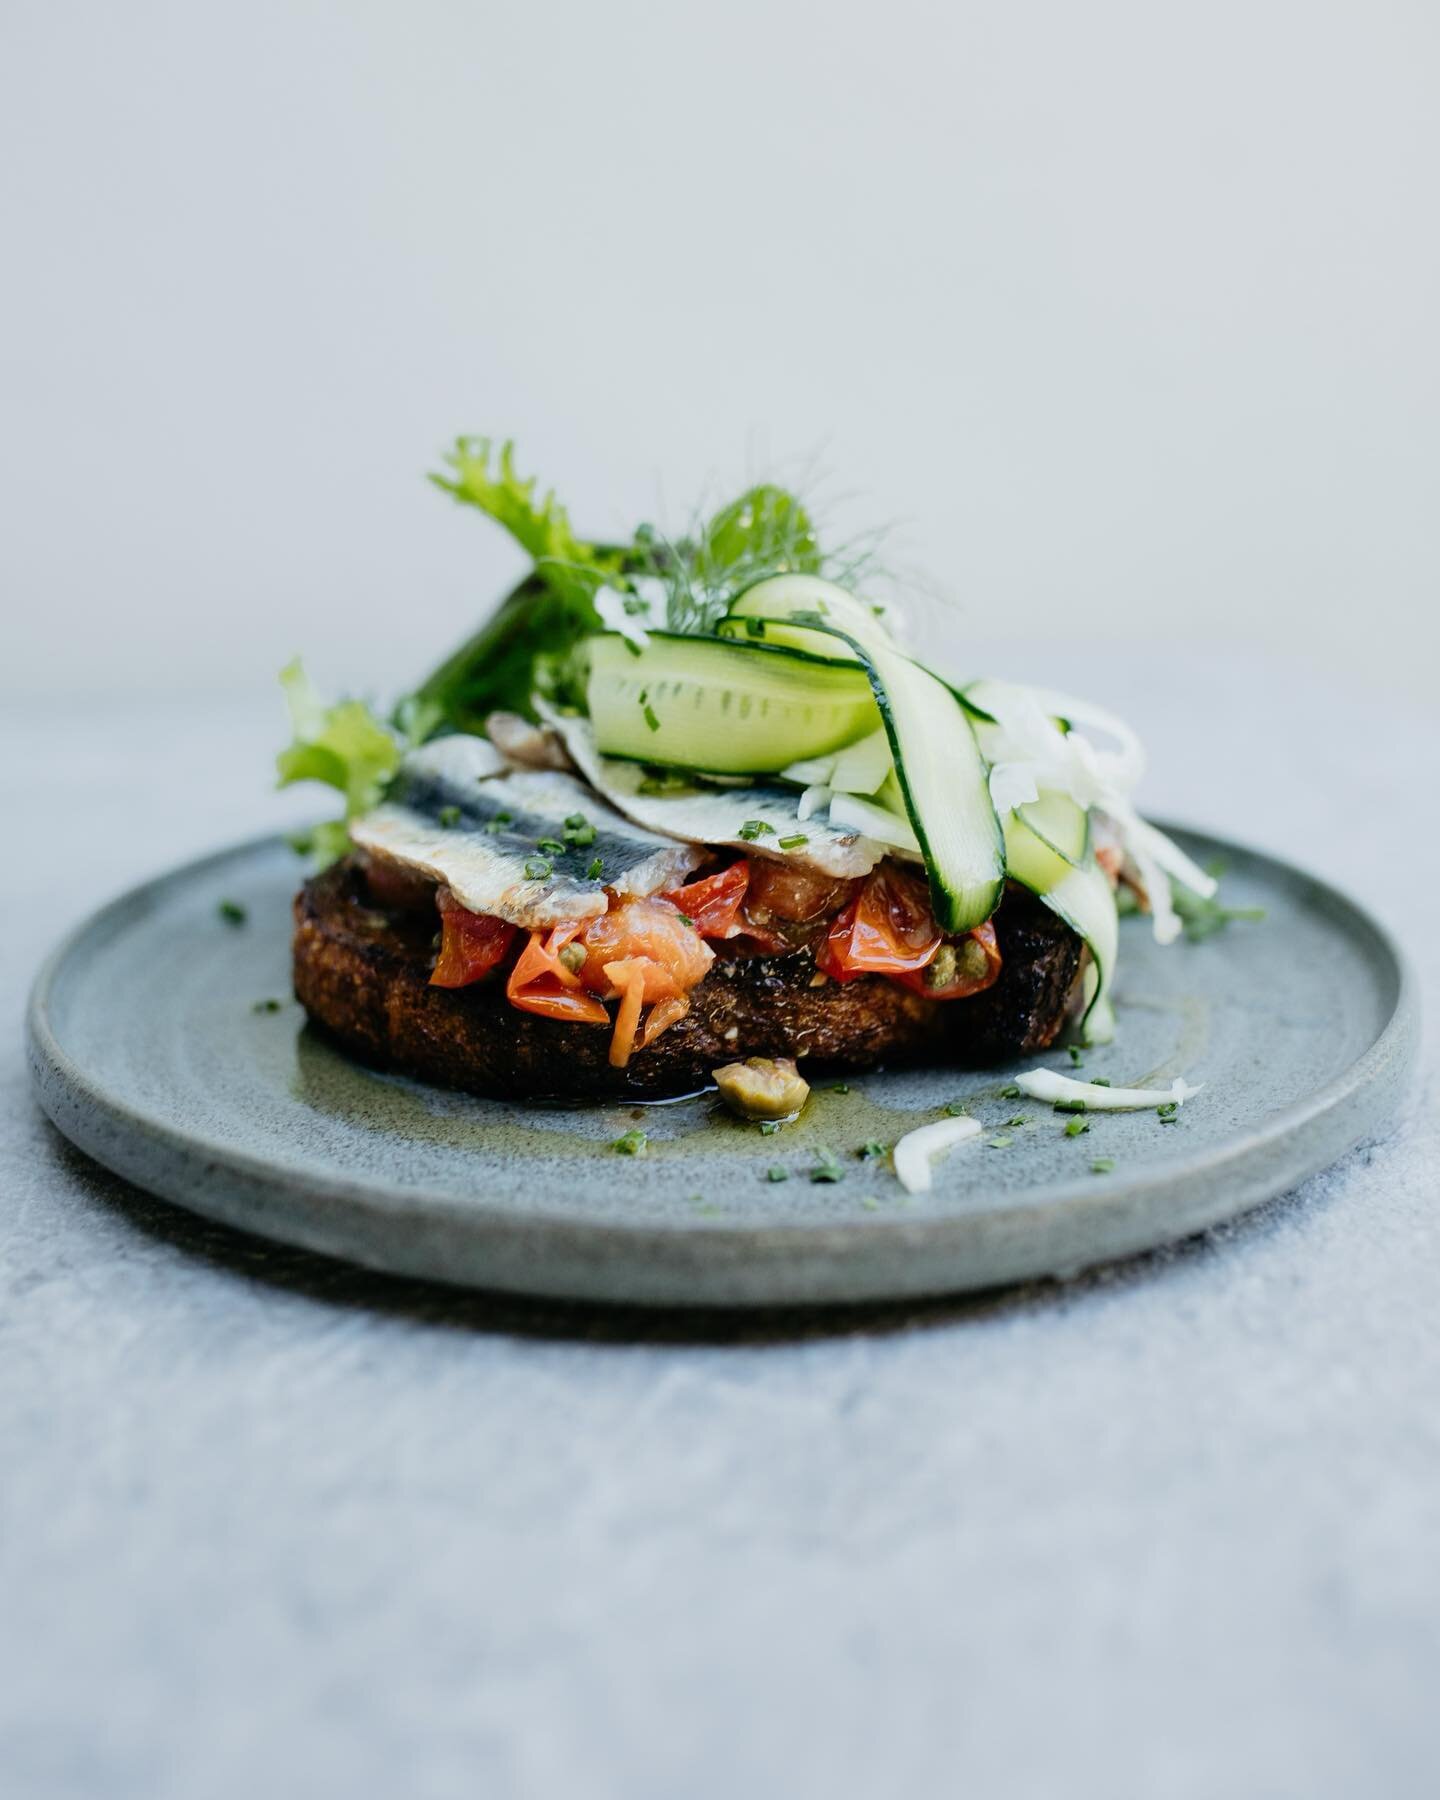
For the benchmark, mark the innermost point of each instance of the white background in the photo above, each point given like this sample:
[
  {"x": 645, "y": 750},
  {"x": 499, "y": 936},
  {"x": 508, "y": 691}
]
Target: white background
[{"x": 1127, "y": 312}]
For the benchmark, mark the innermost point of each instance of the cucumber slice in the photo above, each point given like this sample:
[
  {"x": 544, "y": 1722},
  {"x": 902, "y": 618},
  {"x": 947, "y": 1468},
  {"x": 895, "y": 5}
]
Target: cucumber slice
[
  {"x": 1061, "y": 823},
  {"x": 945, "y": 786},
  {"x": 1084, "y": 899},
  {"x": 728, "y": 708},
  {"x": 940, "y": 776},
  {"x": 780, "y": 598}
]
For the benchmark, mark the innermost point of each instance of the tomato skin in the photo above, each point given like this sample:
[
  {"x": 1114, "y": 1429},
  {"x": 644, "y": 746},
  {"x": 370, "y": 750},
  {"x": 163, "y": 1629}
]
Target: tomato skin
[
  {"x": 785, "y": 891},
  {"x": 972, "y": 975},
  {"x": 713, "y": 905},
  {"x": 471, "y": 945},
  {"x": 540, "y": 982},
  {"x": 887, "y": 929}
]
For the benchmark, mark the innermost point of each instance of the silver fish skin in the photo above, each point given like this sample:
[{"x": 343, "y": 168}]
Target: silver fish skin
[
  {"x": 498, "y": 821},
  {"x": 715, "y": 815}
]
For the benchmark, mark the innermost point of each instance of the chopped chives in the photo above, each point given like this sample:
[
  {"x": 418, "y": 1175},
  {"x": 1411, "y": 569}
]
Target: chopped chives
[
  {"x": 1001, "y": 1142},
  {"x": 266, "y": 1006},
  {"x": 1077, "y": 1106},
  {"x": 593, "y": 872},
  {"x": 777, "y": 1174},
  {"x": 755, "y": 828},
  {"x": 768, "y": 1127},
  {"x": 550, "y": 847},
  {"x": 449, "y": 816},
  {"x": 794, "y": 843},
  {"x": 954, "y": 1110},
  {"x": 1010, "y": 1093},
  {"x": 232, "y": 912},
  {"x": 1102, "y": 1165},
  {"x": 826, "y": 1168},
  {"x": 868, "y": 1152},
  {"x": 1076, "y": 1126},
  {"x": 630, "y": 1143},
  {"x": 538, "y": 868},
  {"x": 1077, "y": 1056}
]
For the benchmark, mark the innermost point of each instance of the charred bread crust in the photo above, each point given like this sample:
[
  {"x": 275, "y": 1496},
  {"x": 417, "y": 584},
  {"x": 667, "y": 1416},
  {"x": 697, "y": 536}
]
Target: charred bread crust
[{"x": 362, "y": 974}]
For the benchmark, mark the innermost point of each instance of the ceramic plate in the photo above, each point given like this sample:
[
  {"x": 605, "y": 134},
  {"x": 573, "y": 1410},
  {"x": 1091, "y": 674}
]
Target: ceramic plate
[{"x": 157, "y": 1048}]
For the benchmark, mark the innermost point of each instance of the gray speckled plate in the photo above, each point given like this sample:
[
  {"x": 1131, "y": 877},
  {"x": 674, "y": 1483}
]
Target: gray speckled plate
[{"x": 149, "y": 1052}]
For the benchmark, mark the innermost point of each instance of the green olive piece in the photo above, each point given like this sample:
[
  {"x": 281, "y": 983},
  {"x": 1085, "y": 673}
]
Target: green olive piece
[{"x": 762, "y": 1087}]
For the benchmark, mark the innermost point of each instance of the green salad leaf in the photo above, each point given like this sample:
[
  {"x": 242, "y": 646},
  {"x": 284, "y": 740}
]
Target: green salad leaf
[
  {"x": 487, "y": 479},
  {"x": 344, "y": 746},
  {"x": 766, "y": 530},
  {"x": 528, "y": 642}
]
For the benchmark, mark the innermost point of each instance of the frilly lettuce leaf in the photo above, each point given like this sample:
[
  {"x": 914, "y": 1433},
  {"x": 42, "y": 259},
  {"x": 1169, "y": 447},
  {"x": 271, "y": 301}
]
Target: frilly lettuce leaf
[
  {"x": 487, "y": 479},
  {"x": 344, "y": 746},
  {"x": 528, "y": 641}
]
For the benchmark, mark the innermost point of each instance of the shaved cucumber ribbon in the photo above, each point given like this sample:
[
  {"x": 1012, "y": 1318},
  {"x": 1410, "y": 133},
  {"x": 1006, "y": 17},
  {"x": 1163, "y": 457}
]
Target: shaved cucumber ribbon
[{"x": 1084, "y": 899}]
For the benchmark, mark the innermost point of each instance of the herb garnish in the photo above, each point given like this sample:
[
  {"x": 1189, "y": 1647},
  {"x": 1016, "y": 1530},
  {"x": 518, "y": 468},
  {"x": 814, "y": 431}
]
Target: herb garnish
[
  {"x": 798, "y": 841},
  {"x": 1076, "y": 1126},
  {"x": 777, "y": 1174},
  {"x": 550, "y": 847},
  {"x": 1169, "y": 1113},
  {"x": 868, "y": 1152},
  {"x": 266, "y": 1006},
  {"x": 630, "y": 1143},
  {"x": 954, "y": 1110},
  {"x": 1001, "y": 1142},
  {"x": 1010, "y": 1093},
  {"x": 827, "y": 1168},
  {"x": 579, "y": 831},
  {"x": 593, "y": 872},
  {"x": 1203, "y": 918},
  {"x": 1077, "y": 1057},
  {"x": 1102, "y": 1165},
  {"x": 768, "y": 1127},
  {"x": 1076, "y": 1106},
  {"x": 755, "y": 828},
  {"x": 232, "y": 912},
  {"x": 538, "y": 868},
  {"x": 449, "y": 816}
]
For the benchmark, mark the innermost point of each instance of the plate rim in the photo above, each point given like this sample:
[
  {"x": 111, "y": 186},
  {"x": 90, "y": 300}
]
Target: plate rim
[{"x": 64, "y": 1090}]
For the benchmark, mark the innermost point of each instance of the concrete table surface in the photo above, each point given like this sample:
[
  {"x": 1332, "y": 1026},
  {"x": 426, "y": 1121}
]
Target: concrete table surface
[{"x": 272, "y": 1526}]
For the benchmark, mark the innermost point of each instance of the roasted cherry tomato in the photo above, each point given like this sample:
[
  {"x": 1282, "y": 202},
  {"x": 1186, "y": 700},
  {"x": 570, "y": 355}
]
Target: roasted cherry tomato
[
  {"x": 542, "y": 983},
  {"x": 960, "y": 967},
  {"x": 887, "y": 929},
  {"x": 471, "y": 945},
  {"x": 713, "y": 905},
  {"x": 783, "y": 890}
]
